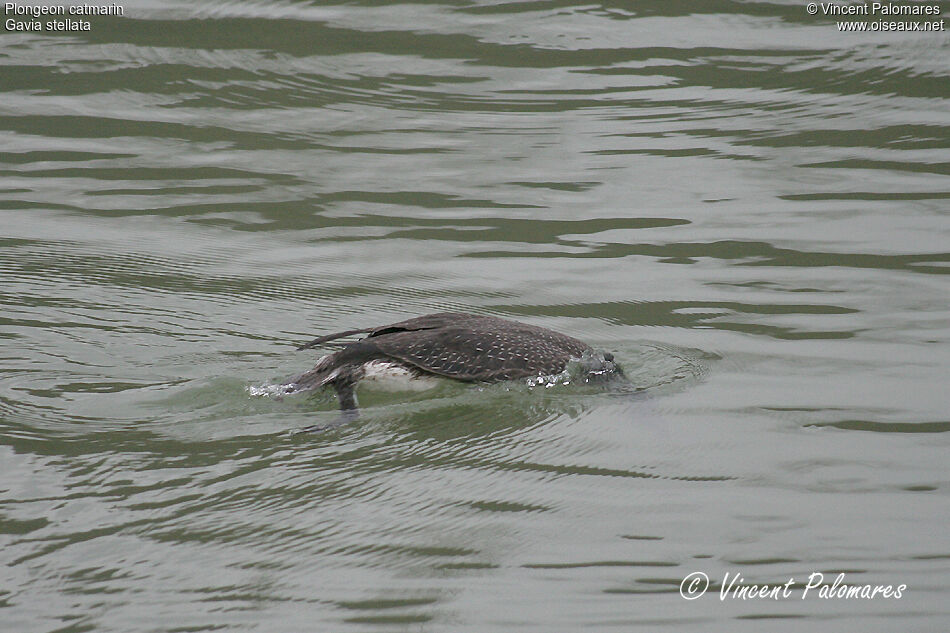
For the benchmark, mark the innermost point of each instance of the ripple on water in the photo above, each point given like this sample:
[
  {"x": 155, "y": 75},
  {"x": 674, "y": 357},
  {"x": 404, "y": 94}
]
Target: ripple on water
[{"x": 189, "y": 190}]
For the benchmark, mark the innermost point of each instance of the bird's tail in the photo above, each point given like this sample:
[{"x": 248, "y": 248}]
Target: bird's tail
[
  {"x": 332, "y": 371},
  {"x": 322, "y": 374}
]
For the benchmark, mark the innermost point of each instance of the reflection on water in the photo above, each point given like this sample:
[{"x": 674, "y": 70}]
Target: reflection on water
[{"x": 746, "y": 207}]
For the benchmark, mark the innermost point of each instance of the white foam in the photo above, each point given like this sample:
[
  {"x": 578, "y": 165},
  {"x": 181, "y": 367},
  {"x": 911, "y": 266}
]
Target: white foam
[{"x": 270, "y": 391}]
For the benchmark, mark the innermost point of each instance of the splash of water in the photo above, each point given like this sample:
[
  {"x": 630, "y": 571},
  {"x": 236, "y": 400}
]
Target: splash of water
[
  {"x": 591, "y": 367},
  {"x": 271, "y": 391}
]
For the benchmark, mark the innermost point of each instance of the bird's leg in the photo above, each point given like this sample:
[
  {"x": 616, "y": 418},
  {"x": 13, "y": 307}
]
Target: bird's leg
[
  {"x": 349, "y": 409},
  {"x": 350, "y": 415},
  {"x": 346, "y": 394}
]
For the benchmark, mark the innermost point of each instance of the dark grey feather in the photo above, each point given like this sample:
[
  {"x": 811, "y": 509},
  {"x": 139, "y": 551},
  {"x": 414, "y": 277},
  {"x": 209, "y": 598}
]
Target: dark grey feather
[{"x": 465, "y": 347}]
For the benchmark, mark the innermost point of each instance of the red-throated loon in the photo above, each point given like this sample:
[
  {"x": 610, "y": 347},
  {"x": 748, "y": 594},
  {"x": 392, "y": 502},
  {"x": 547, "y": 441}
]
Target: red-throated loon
[{"x": 464, "y": 347}]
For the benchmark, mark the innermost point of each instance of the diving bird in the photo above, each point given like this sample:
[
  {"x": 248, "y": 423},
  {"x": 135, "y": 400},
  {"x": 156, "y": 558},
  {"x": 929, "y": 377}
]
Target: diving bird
[{"x": 454, "y": 345}]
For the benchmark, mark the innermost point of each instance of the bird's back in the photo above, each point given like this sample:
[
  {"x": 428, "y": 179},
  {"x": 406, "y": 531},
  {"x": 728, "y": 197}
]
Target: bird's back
[{"x": 460, "y": 346}]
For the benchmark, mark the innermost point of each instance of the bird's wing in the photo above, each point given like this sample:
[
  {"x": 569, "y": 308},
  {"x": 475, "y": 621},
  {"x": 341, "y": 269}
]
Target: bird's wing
[
  {"x": 482, "y": 356},
  {"x": 427, "y": 322}
]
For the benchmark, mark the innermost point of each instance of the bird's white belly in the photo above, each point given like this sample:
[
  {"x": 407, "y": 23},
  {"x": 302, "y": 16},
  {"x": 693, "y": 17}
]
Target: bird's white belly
[{"x": 386, "y": 376}]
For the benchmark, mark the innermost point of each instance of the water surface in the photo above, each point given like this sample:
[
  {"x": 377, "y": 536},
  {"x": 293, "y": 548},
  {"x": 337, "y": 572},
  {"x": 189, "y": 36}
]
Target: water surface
[{"x": 748, "y": 208}]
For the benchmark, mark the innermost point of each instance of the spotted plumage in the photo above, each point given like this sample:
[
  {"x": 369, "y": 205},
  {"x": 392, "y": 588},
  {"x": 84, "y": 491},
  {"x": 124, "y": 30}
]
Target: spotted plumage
[{"x": 464, "y": 347}]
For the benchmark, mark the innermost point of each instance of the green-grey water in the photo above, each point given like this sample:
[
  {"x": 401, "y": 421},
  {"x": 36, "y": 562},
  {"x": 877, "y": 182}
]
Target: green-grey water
[{"x": 746, "y": 206}]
